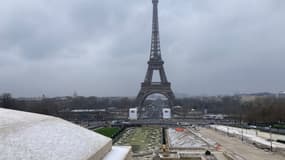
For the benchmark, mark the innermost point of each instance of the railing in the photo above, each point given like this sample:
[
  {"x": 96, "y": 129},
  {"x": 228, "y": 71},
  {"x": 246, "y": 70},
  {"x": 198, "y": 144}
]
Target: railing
[{"x": 158, "y": 84}]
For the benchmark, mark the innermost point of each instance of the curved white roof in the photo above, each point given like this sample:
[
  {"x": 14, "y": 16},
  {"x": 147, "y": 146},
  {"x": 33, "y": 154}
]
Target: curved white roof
[{"x": 29, "y": 136}]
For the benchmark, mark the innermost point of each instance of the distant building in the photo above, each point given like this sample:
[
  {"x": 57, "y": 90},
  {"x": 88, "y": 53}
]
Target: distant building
[
  {"x": 29, "y": 98},
  {"x": 281, "y": 94},
  {"x": 247, "y": 97},
  {"x": 85, "y": 114},
  {"x": 214, "y": 116},
  {"x": 205, "y": 111}
]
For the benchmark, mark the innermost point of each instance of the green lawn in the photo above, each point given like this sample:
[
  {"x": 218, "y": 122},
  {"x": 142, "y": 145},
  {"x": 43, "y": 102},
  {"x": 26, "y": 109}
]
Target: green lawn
[
  {"x": 141, "y": 138},
  {"x": 108, "y": 131},
  {"x": 279, "y": 126}
]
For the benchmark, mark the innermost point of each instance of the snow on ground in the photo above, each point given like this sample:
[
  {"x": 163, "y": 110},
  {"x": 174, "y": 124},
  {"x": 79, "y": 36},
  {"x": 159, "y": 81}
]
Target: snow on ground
[
  {"x": 118, "y": 152},
  {"x": 29, "y": 136},
  {"x": 248, "y": 135},
  {"x": 184, "y": 139},
  {"x": 205, "y": 139}
]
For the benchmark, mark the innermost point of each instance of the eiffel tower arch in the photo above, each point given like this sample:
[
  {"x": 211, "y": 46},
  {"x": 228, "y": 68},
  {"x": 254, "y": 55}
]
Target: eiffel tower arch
[
  {"x": 155, "y": 63},
  {"x": 147, "y": 90}
]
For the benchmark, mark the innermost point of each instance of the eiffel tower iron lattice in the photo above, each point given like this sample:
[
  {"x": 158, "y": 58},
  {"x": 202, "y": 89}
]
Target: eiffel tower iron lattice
[{"x": 155, "y": 63}]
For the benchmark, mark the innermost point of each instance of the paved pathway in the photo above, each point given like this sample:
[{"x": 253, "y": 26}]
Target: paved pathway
[{"x": 235, "y": 145}]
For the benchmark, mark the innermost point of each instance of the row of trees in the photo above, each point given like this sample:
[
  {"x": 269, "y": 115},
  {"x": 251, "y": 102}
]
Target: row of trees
[
  {"x": 225, "y": 104},
  {"x": 54, "y": 106},
  {"x": 99, "y": 102},
  {"x": 6, "y": 101},
  {"x": 265, "y": 109},
  {"x": 43, "y": 106}
]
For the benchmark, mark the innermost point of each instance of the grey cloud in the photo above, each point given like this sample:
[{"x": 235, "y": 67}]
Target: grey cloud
[
  {"x": 101, "y": 47},
  {"x": 43, "y": 33}
]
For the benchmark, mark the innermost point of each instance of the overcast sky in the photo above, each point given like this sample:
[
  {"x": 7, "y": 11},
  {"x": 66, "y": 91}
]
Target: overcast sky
[{"x": 101, "y": 47}]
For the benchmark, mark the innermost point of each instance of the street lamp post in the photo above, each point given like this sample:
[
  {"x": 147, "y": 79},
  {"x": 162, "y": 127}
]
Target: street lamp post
[
  {"x": 241, "y": 134},
  {"x": 270, "y": 132},
  {"x": 228, "y": 130},
  {"x": 240, "y": 122}
]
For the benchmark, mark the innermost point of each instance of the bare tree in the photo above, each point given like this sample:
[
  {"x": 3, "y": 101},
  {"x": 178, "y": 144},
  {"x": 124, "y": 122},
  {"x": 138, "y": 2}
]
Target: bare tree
[{"x": 7, "y": 100}]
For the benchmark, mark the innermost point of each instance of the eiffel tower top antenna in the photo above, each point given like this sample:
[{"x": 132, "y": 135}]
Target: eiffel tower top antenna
[{"x": 155, "y": 51}]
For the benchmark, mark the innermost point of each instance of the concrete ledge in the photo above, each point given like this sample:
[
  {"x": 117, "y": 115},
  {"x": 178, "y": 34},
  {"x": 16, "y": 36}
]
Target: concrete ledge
[{"x": 32, "y": 136}]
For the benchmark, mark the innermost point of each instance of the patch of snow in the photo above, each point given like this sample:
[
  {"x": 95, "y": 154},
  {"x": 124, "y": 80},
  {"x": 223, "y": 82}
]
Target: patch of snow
[
  {"x": 184, "y": 139},
  {"x": 118, "y": 153},
  {"x": 248, "y": 135}
]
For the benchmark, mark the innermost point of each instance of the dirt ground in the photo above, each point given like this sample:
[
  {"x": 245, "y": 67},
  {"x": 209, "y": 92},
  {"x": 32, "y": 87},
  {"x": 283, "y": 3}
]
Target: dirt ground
[{"x": 235, "y": 145}]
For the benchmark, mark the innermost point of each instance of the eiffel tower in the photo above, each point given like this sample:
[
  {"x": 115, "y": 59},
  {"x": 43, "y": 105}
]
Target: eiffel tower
[{"x": 155, "y": 63}]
